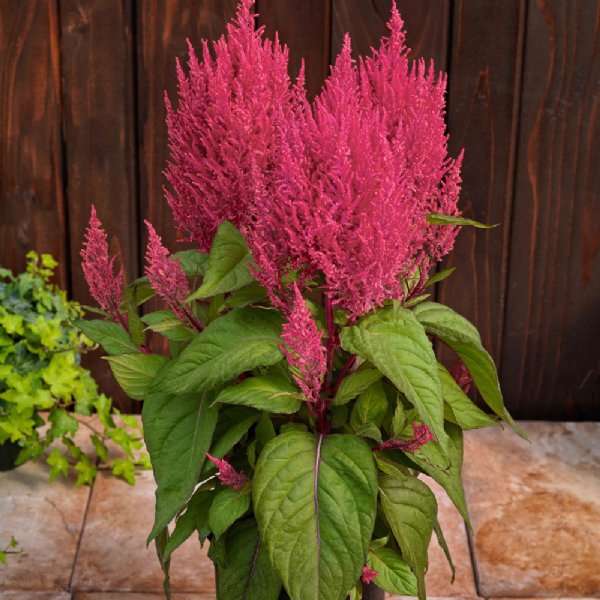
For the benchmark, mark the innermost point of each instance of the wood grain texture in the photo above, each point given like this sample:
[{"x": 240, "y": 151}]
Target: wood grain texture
[
  {"x": 32, "y": 211},
  {"x": 304, "y": 25},
  {"x": 483, "y": 103},
  {"x": 551, "y": 350},
  {"x": 99, "y": 133},
  {"x": 425, "y": 21},
  {"x": 162, "y": 27}
]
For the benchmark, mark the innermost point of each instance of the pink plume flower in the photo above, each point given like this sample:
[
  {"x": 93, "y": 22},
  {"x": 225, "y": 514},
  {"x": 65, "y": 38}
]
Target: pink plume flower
[
  {"x": 98, "y": 268},
  {"x": 421, "y": 435},
  {"x": 167, "y": 277},
  {"x": 221, "y": 135},
  {"x": 303, "y": 348},
  {"x": 368, "y": 575},
  {"x": 227, "y": 474},
  {"x": 461, "y": 375}
]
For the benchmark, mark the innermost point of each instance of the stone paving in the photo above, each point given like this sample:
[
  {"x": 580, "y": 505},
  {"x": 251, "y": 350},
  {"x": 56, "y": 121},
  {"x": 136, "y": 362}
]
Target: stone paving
[{"x": 535, "y": 510}]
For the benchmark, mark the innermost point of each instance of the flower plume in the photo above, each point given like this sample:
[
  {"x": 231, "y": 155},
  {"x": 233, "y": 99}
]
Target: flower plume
[
  {"x": 227, "y": 474},
  {"x": 98, "y": 268}
]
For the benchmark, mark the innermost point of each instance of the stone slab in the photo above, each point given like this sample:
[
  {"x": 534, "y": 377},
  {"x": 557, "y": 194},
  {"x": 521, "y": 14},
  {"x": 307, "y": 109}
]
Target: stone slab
[
  {"x": 535, "y": 509},
  {"x": 113, "y": 556},
  {"x": 139, "y": 596},
  {"x": 12, "y": 595},
  {"x": 46, "y": 519}
]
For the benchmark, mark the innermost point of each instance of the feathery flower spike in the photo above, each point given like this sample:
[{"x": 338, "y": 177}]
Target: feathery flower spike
[
  {"x": 368, "y": 575},
  {"x": 461, "y": 375},
  {"x": 421, "y": 435},
  {"x": 98, "y": 269},
  {"x": 167, "y": 278},
  {"x": 227, "y": 474}
]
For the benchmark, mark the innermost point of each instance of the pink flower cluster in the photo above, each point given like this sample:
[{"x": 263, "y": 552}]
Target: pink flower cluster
[
  {"x": 303, "y": 348},
  {"x": 368, "y": 575},
  {"x": 227, "y": 474},
  {"x": 461, "y": 375},
  {"x": 98, "y": 268},
  {"x": 339, "y": 187},
  {"x": 421, "y": 435}
]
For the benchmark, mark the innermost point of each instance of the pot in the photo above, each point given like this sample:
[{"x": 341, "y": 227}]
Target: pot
[{"x": 8, "y": 455}]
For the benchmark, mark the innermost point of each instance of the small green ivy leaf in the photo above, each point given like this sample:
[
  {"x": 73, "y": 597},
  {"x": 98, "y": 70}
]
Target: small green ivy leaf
[{"x": 444, "y": 219}]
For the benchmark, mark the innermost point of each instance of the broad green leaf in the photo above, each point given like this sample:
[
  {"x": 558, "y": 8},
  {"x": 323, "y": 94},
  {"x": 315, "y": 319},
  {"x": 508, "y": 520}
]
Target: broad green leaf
[
  {"x": 248, "y": 574},
  {"x": 371, "y": 407},
  {"x": 239, "y": 341},
  {"x": 395, "y": 343},
  {"x": 416, "y": 300},
  {"x": 112, "y": 337},
  {"x": 228, "y": 263},
  {"x": 249, "y": 294},
  {"x": 192, "y": 262},
  {"x": 160, "y": 543},
  {"x": 168, "y": 325},
  {"x": 395, "y": 575},
  {"x": 444, "y": 546},
  {"x": 370, "y": 431},
  {"x": 455, "y": 331},
  {"x": 268, "y": 392},
  {"x": 194, "y": 519},
  {"x": 229, "y": 438},
  {"x": 135, "y": 325},
  {"x": 265, "y": 431},
  {"x": 137, "y": 292},
  {"x": 178, "y": 430},
  {"x": 443, "y": 219},
  {"x": 315, "y": 501},
  {"x": 462, "y": 411},
  {"x": 354, "y": 384},
  {"x": 411, "y": 509},
  {"x": 136, "y": 372},
  {"x": 434, "y": 462},
  {"x": 440, "y": 276},
  {"x": 226, "y": 508}
]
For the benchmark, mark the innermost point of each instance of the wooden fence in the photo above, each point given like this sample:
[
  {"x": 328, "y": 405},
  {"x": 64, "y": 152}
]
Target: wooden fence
[{"x": 82, "y": 122}]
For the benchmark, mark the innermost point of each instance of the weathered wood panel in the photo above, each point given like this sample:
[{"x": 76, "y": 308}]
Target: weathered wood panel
[
  {"x": 483, "y": 105},
  {"x": 99, "y": 132},
  {"x": 304, "y": 26},
  {"x": 551, "y": 350},
  {"x": 32, "y": 211},
  {"x": 426, "y": 24}
]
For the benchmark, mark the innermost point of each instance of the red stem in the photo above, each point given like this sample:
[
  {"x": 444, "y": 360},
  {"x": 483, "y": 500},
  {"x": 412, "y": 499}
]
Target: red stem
[
  {"x": 343, "y": 374},
  {"x": 331, "y": 341}
]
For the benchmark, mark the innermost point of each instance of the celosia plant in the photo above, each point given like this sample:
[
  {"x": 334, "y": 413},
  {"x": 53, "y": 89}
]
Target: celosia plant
[{"x": 301, "y": 398}]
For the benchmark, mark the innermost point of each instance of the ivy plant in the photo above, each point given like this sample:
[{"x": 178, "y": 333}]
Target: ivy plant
[{"x": 43, "y": 386}]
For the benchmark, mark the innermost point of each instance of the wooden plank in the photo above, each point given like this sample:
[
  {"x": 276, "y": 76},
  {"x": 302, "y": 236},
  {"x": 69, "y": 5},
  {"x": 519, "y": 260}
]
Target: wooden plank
[
  {"x": 99, "y": 133},
  {"x": 163, "y": 27},
  {"x": 551, "y": 348},
  {"x": 304, "y": 25},
  {"x": 484, "y": 82},
  {"x": 426, "y": 24},
  {"x": 32, "y": 211}
]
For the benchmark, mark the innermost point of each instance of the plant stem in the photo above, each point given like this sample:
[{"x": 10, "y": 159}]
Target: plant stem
[
  {"x": 331, "y": 341},
  {"x": 343, "y": 374}
]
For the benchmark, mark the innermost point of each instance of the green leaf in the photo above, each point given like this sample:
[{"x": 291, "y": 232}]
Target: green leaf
[
  {"x": 371, "y": 407},
  {"x": 252, "y": 293},
  {"x": 315, "y": 504},
  {"x": 112, "y": 337},
  {"x": 58, "y": 463},
  {"x": 268, "y": 392},
  {"x": 455, "y": 331},
  {"x": 354, "y": 384},
  {"x": 178, "y": 430},
  {"x": 239, "y": 341},
  {"x": 62, "y": 423},
  {"x": 444, "y": 546},
  {"x": 370, "y": 431},
  {"x": 160, "y": 543},
  {"x": 228, "y": 263},
  {"x": 137, "y": 292},
  {"x": 411, "y": 509},
  {"x": 168, "y": 325},
  {"x": 227, "y": 507},
  {"x": 86, "y": 470},
  {"x": 195, "y": 518},
  {"x": 248, "y": 574},
  {"x": 228, "y": 439},
  {"x": 440, "y": 276},
  {"x": 462, "y": 411},
  {"x": 265, "y": 431},
  {"x": 443, "y": 219},
  {"x": 395, "y": 575},
  {"x": 124, "y": 468},
  {"x": 136, "y": 327},
  {"x": 395, "y": 342},
  {"x": 136, "y": 372},
  {"x": 416, "y": 300},
  {"x": 192, "y": 262}
]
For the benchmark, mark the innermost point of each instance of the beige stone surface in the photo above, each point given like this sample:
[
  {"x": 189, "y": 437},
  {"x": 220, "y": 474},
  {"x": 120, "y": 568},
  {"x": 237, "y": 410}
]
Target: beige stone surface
[
  {"x": 439, "y": 575},
  {"x": 8, "y": 595},
  {"x": 113, "y": 554},
  {"x": 535, "y": 509},
  {"x": 46, "y": 519},
  {"x": 139, "y": 596}
]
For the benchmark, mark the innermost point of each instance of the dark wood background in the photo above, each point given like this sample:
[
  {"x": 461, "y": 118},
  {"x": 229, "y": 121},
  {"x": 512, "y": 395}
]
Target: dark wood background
[{"x": 82, "y": 122}]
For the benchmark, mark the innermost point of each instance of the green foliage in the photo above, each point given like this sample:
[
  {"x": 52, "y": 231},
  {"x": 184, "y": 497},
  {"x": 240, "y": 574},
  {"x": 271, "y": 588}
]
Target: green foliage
[
  {"x": 321, "y": 494},
  {"x": 12, "y": 547},
  {"x": 43, "y": 385}
]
